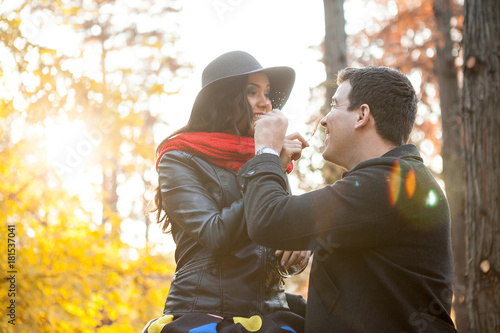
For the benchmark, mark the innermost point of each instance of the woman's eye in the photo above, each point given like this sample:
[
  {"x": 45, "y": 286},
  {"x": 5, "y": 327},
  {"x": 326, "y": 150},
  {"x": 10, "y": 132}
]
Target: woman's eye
[
  {"x": 268, "y": 94},
  {"x": 251, "y": 91}
]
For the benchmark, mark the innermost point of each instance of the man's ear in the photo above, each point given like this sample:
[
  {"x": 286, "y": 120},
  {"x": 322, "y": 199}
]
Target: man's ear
[{"x": 363, "y": 116}]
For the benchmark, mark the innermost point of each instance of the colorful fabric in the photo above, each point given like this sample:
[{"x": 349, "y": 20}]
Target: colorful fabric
[
  {"x": 156, "y": 325},
  {"x": 277, "y": 322},
  {"x": 225, "y": 150}
]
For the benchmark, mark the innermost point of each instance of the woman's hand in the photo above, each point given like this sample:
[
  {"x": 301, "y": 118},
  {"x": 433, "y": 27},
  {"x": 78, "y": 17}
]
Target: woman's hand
[
  {"x": 292, "y": 149},
  {"x": 293, "y": 258}
]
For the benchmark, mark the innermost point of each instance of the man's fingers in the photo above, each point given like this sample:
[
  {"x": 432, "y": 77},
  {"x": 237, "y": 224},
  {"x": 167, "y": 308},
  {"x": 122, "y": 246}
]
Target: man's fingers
[{"x": 272, "y": 114}]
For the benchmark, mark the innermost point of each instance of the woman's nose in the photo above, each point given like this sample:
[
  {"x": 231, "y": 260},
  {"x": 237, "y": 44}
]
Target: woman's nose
[{"x": 265, "y": 103}]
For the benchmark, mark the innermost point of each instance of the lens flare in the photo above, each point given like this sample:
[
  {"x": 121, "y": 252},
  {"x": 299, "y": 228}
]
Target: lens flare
[
  {"x": 431, "y": 199},
  {"x": 411, "y": 183},
  {"x": 395, "y": 183}
]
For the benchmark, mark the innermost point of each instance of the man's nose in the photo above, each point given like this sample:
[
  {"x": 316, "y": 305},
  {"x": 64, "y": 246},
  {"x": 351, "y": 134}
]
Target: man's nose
[{"x": 323, "y": 121}]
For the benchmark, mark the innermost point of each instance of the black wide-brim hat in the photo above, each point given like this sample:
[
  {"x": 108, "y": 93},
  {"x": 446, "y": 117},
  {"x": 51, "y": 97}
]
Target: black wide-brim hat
[{"x": 219, "y": 73}]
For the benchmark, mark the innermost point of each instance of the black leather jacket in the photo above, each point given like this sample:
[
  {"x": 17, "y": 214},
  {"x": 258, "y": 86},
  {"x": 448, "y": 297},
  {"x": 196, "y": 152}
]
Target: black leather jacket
[{"x": 219, "y": 269}]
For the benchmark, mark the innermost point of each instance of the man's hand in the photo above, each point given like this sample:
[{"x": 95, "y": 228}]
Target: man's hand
[
  {"x": 292, "y": 149},
  {"x": 270, "y": 130}
]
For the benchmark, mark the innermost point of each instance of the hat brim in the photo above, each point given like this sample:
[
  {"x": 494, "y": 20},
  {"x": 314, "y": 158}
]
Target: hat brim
[{"x": 281, "y": 80}]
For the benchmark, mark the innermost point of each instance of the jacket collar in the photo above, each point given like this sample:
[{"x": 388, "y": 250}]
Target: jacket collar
[{"x": 408, "y": 151}]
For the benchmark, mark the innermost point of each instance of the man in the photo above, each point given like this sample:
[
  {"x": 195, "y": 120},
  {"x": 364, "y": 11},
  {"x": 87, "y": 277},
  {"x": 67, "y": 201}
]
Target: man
[{"x": 381, "y": 234}]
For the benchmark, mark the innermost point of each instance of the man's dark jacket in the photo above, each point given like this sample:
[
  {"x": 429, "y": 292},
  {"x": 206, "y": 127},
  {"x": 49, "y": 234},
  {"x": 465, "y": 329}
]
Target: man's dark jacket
[{"x": 381, "y": 241}]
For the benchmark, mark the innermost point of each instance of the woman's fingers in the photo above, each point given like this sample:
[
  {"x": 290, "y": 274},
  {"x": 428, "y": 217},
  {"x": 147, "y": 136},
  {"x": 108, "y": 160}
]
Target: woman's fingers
[
  {"x": 291, "y": 151},
  {"x": 294, "y": 258},
  {"x": 285, "y": 258},
  {"x": 305, "y": 259},
  {"x": 297, "y": 136}
]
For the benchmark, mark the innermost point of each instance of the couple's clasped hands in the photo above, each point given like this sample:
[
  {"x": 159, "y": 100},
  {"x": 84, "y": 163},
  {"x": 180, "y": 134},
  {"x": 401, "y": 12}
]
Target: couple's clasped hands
[{"x": 270, "y": 131}]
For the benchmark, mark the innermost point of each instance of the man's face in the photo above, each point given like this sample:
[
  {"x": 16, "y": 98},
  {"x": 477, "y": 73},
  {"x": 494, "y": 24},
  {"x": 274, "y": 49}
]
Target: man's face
[{"x": 339, "y": 127}]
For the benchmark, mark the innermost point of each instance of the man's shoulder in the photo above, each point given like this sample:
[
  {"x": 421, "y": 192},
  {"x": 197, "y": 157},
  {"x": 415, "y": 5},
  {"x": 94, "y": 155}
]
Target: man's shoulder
[{"x": 401, "y": 158}]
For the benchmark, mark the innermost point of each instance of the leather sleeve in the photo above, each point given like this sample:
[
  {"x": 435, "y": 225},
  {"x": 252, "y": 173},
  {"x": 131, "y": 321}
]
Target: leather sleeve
[{"x": 187, "y": 202}]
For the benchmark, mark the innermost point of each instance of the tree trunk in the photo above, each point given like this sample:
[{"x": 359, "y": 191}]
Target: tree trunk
[
  {"x": 335, "y": 59},
  {"x": 481, "y": 135},
  {"x": 110, "y": 196},
  {"x": 453, "y": 170}
]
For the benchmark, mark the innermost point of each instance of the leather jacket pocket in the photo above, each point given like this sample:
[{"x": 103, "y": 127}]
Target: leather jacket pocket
[
  {"x": 194, "y": 288},
  {"x": 194, "y": 266}
]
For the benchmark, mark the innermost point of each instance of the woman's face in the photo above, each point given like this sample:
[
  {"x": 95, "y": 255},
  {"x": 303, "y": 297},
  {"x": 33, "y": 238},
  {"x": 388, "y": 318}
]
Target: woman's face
[{"x": 257, "y": 92}]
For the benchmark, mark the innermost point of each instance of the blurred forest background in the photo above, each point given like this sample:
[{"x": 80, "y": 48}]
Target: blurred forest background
[{"x": 79, "y": 125}]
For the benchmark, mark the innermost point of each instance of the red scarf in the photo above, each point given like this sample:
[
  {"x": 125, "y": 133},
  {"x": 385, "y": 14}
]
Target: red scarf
[{"x": 225, "y": 150}]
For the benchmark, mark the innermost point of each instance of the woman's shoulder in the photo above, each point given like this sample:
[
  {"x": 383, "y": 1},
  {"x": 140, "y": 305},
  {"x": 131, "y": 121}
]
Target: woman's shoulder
[
  {"x": 177, "y": 155},
  {"x": 180, "y": 157},
  {"x": 175, "y": 159}
]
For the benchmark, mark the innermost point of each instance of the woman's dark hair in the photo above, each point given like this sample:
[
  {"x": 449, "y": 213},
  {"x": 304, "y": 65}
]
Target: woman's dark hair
[
  {"x": 224, "y": 112},
  {"x": 390, "y": 95}
]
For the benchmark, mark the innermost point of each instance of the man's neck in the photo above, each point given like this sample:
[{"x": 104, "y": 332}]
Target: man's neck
[{"x": 370, "y": 148}]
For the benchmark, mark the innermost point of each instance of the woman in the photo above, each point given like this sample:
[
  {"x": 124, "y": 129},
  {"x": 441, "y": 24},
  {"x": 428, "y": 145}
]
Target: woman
[{"x": 222, "y": 278}]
